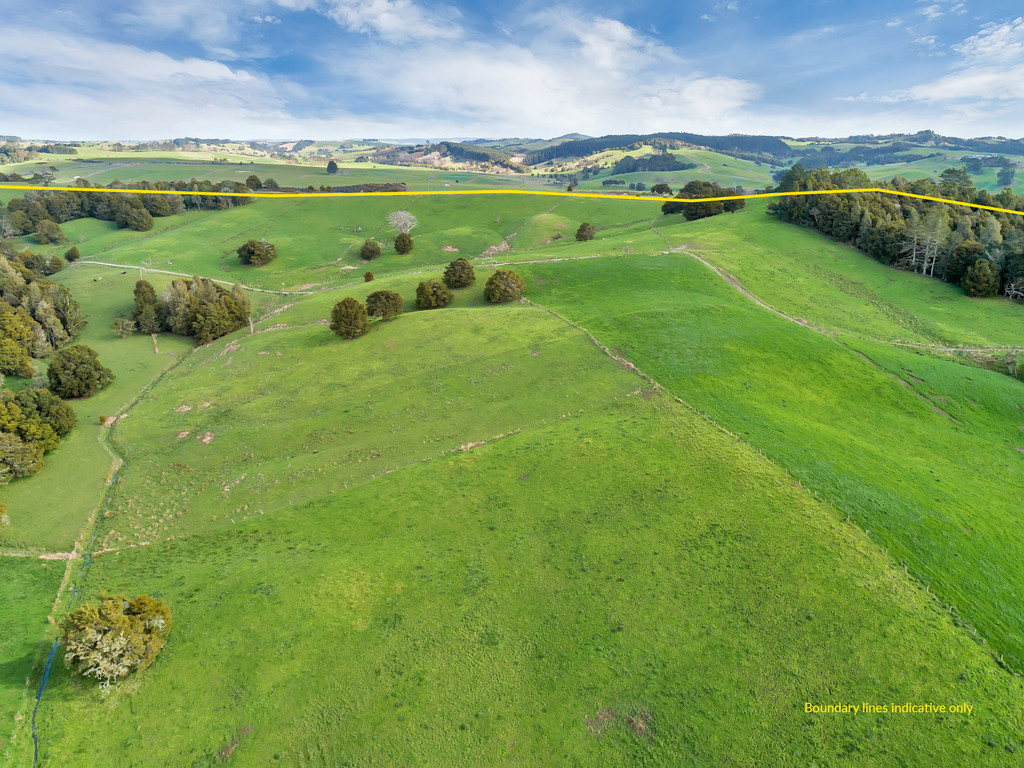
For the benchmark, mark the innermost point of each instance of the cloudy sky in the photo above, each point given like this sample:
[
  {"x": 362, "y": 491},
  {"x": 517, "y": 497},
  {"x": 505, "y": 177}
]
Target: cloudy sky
[{"x": 144, "y": 69}]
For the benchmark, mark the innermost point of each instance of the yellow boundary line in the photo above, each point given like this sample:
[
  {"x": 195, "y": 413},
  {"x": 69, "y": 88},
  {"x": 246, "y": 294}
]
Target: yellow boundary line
[{"x": 511, "y": 192}]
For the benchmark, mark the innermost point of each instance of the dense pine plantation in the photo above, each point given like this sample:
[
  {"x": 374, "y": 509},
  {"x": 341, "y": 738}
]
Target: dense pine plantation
[{"x": 637, "y": 517}]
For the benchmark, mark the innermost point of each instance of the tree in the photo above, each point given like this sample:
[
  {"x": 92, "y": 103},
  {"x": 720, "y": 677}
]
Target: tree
[
  {"x": 370, "y": 249},
  {"x": 585, "y": 232},
  {"x": 367, "y": 277},
  {"x": 257, "y": 253},
  {"x": 387, "y": 304},
  {"x": 332, "y": 167},
  {"x": 17, "y": 339},
  {"x": 72, "y": 254},
  {"x": 123, "y": 327},
  {"x": 18, "y": 458},
  {"x": 48, "y": 232},
  {"x": 981, "y": 279},
  {"x": 403, "y": 243},
  {"x": 403, "y": 221},
  {"x": 661, "y": 189},
  {"x": 432, "y": 294},
  {"x": 53, "y": 265},
  {"x": 271, "y": 184},
  {"x": 964, "y": 256},
  {"x": 504, "y": 285},
  {"x": 253, "y": 182},
  {"x": 138, "y": 219},
  {"x": 1004, "y": 178},
  {"x": 77, "y": 372},
  {"x": 349, "y": 319},
  {"x": 119, "y": 636},
  {"x": 459, "y": 274}
]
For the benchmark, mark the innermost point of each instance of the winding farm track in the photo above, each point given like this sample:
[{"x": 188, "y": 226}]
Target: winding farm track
[
  {"x": 735, "y": 283},
  {"x": 126, "y": 267}
]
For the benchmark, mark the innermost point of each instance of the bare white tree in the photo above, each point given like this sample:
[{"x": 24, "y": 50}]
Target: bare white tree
[{"x": 403, "y": 221}]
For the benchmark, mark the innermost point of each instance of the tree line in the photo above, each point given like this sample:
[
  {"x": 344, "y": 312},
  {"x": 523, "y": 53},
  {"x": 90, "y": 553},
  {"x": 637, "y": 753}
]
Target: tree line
[
  {"x": 982, "y": 251},
  {"x": 42, "y": 213}
]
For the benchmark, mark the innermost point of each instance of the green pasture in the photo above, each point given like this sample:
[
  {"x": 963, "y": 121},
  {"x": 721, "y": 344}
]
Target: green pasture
[
  {"x": 470, "y": 537},
  {"x": 49, "y": 509},
  {"x": 924, "y": 453},
  {"x": 627, "y": 586},
  {"x": 27, "y": 589},
  {"x": 808, "y": 276}
]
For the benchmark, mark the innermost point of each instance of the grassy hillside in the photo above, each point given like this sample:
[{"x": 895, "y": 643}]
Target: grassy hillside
[
  {"x": 580, "y": 592},
  {"x": 472, "y": 537},
  {"x": 836, "y": 287},
  {"x": 894, "y": 439}
]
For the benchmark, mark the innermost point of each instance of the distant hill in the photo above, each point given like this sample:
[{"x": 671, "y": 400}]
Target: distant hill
[{"x": 734, "y": 144}]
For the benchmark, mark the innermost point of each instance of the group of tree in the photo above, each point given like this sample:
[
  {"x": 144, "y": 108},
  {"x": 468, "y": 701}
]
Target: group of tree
[
  {"x": 42, "y": 213},
  {"x": 700, "y": 190},
  {"x": 980, "y": 250},
  {"x": 32, "y": 422},
  {"x": 351, "y": 318},
  {"x": 118, "y": 636},
  {"x": 656, "y": 162},
  {"x": 37, "y": 315},
  {"x": 401, "y": 221},
  {"x": 198, "y": 307}
]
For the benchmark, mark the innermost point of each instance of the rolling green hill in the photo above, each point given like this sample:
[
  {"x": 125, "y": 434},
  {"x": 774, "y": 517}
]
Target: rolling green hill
[{"x": 474, "y": 536}]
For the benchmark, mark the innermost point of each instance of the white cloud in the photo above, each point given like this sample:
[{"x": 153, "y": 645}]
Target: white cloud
[
  {"x": 498, "y": 89},
  {"x": 609, "y": 44},
  {"x": 393, "y": 20},
  {"x": 95, "y": 88},
  {"x": 706, "y": 17},
  {"x": 894, "y": 23},
  {"x": 931, "y": 12},
  {"x": 995, "y": 43}
]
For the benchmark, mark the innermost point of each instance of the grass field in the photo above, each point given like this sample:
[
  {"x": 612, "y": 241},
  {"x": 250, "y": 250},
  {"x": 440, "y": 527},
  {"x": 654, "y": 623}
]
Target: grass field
[
  {"x": 886, "y": 438},
  {"x": 486, "y": 606},
  {"x": 27, "y": 589},
  {"x": 602, "y": 576},
  {"x": 806, "y": 275}
]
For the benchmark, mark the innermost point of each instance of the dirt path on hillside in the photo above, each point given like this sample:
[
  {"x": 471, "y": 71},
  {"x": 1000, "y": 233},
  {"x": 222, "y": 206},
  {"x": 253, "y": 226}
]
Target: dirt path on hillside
[
  {"x": 735, "y": 283},
  {"x": 126, "y": 267}
]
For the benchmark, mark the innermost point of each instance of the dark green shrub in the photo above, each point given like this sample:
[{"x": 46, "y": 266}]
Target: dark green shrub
[
  {"x": 432, "y": 294},
  {"x": 459, "y": 274},
  {"x": 77, "y": 372},
  {"x": 982, "y": 279},
  {"x": 387, "y": 304},
  {"x": 403, "y": 243},
  {"x": 349, "y": 319},
  {"x": 367, "y": 277},
  {"x": 370, "y": 250},
  {"x": 585, "y": 232},
  {"x": 48, "y": 232},
  {"x": 257, "y": 253},
  {"x": 72, "y": 254},
  {"x": 504, "y": 285}
]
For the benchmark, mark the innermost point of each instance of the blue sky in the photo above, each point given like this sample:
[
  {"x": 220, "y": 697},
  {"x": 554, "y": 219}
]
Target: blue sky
[{"x": 423, "y": 68}]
